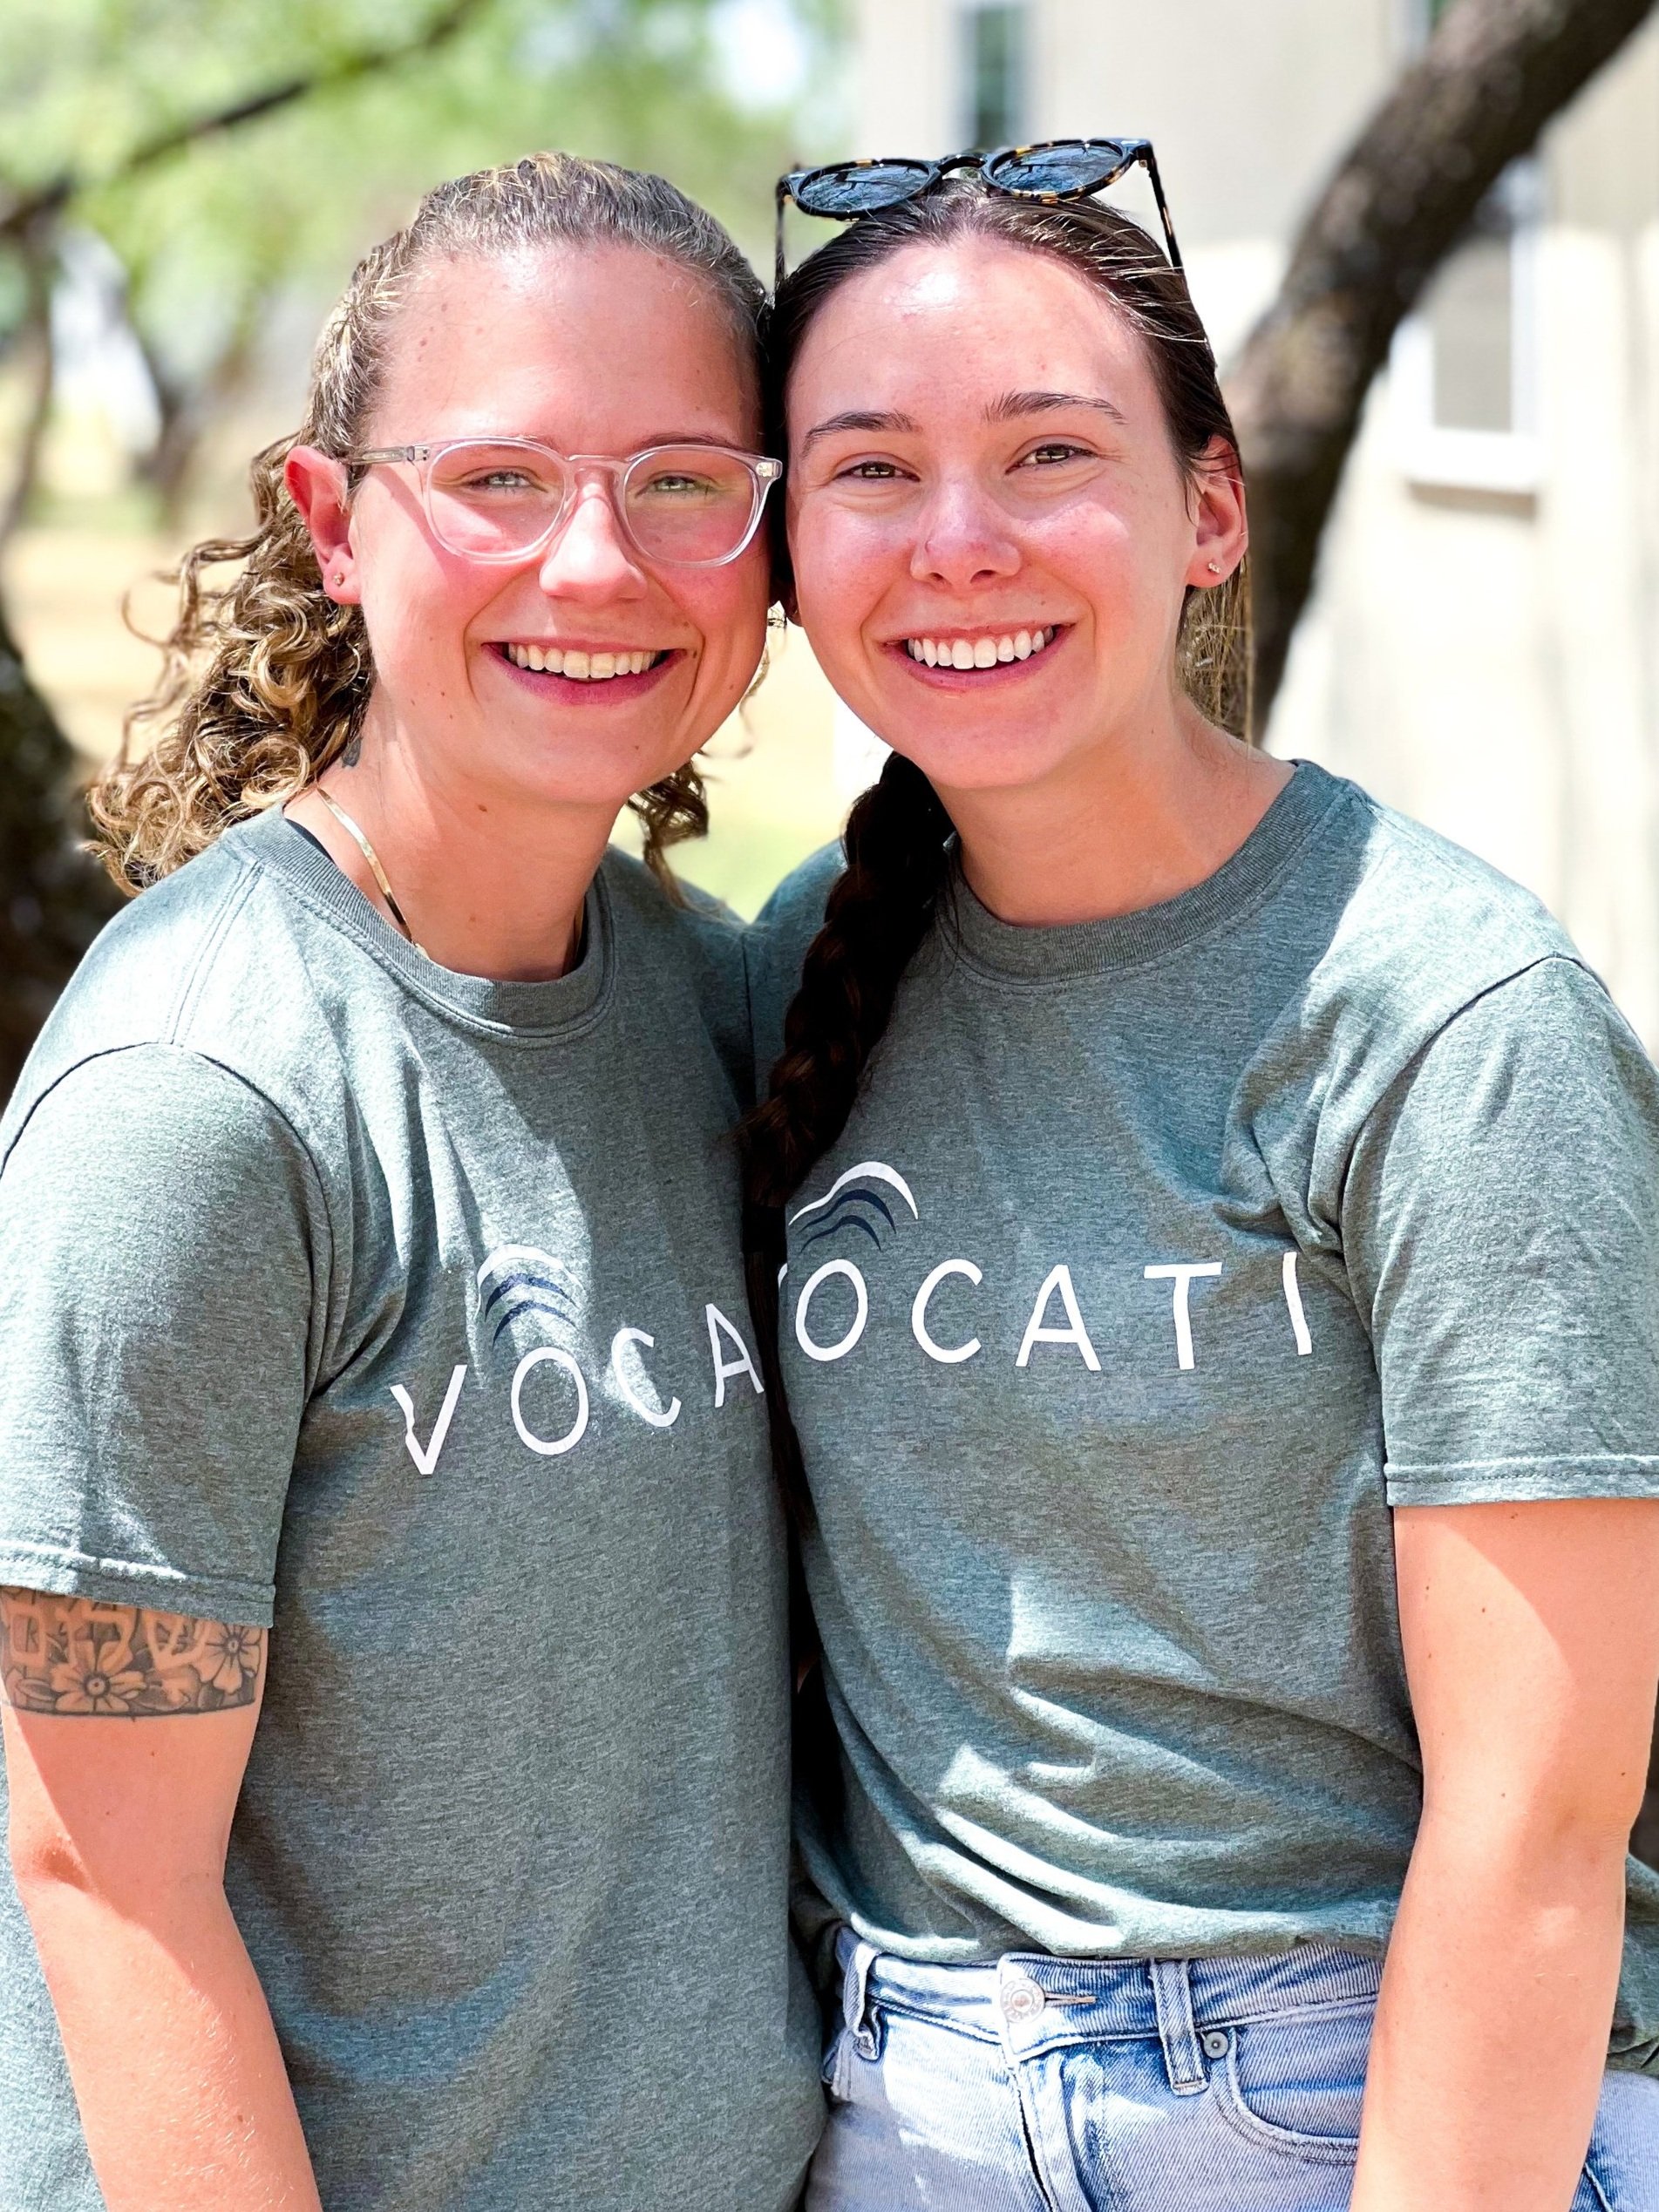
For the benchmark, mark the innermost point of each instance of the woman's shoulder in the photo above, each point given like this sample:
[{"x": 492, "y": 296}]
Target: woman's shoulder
[
  {"x": 1404, "y": 924},
  {"x": 207, "y": 967}
]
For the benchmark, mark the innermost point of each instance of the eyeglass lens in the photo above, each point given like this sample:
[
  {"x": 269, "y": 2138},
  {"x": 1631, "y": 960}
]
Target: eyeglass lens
[
  {"x": 1058, "y": 169},
  {"x": 683, "y": 504},
  {"x": 860, "y": 191}
]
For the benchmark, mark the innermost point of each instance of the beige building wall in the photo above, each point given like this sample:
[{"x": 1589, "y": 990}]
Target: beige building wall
[{"x": 1484, "y": 647}]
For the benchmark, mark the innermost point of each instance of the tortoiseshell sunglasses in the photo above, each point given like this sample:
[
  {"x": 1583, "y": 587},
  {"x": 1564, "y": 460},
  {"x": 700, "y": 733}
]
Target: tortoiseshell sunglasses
[{"x": 1059, "y": 169}]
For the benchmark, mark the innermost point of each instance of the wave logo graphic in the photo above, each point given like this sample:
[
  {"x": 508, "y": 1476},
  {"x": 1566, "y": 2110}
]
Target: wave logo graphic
[
  {"x": 855, "y": 1200},
  {"x": 526, "y": 1280}
]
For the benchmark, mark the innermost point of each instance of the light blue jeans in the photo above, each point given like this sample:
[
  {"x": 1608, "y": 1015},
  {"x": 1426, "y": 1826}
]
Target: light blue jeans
[{"x": 1047, "y": 2084}]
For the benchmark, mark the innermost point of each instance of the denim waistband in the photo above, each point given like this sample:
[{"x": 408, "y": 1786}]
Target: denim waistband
[{"x": 1032, "y": 2001}]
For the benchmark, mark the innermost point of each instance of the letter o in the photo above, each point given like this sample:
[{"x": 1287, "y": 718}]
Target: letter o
[
  {"x": 572, "y": 1436},
  {"x": 839, "y": 1350}
]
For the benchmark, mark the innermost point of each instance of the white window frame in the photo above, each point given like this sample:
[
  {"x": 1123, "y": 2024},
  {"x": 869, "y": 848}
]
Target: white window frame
[
  {"x": 965, "y": 10},
  {"x": 1431, "y": 456}
]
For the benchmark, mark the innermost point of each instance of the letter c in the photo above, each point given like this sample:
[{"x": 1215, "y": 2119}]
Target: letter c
[
  {"x": 947, "y": 1358},
  {"x": 657, "y": 1417}
]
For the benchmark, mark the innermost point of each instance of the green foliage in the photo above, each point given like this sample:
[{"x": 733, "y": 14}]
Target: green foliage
[{"x": 282, "y": 204}]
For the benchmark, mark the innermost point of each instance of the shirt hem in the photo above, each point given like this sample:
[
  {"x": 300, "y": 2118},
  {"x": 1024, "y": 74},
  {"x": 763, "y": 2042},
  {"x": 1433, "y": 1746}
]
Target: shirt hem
[
  {"x": 62, "y": 1573},
  {"x": 1518, "y": 1482}
]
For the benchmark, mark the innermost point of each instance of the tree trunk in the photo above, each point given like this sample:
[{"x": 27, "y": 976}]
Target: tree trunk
[
  {"x": 1492, "y": 76},
  {"x": 54, "y": 899}
]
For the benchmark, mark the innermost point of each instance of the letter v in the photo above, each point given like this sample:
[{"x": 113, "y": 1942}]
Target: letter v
[{"x": 427, "y": 1460}]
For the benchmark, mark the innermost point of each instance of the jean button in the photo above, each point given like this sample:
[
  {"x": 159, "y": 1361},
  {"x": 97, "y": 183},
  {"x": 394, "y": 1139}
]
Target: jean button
[
  {"x": 1216, "y": 2045},
  {"x": 1022, "y": 1998}
]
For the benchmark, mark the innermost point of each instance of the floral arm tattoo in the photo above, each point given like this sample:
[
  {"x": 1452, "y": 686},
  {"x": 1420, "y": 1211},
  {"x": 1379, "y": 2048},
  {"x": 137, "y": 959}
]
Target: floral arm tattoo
[{"x": 76, "y": 1655}]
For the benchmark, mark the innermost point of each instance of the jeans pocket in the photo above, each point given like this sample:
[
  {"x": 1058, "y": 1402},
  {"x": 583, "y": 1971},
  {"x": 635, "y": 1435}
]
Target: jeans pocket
[
  {"x": 1621, "y": 2172},
  {"x": 1296, "y": 2081}
]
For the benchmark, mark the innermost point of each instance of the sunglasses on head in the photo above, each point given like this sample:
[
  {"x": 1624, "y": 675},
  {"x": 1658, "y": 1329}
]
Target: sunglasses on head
[{"x": 1059, "y": 169}]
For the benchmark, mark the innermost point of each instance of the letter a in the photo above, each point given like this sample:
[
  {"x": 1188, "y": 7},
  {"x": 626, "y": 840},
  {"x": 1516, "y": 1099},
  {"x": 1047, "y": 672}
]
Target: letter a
[
  {"x": 1059, "y": 1278},
  {"x": 725, "y": 1368},
  {"x": 426, "y": 1461}
]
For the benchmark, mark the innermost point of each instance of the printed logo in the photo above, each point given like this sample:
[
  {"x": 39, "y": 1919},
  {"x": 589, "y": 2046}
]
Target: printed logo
[
  {"x": 526, "y": 1280},
  {"x": 852, "y": 1201},
  {"x": 520, "y": 1282},
  {"x": 855, "y": 1200},
  {"x": 860, "y": 1204}
]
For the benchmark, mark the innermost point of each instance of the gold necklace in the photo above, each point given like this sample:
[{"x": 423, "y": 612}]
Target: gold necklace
[{"x": 373, "y": 859}]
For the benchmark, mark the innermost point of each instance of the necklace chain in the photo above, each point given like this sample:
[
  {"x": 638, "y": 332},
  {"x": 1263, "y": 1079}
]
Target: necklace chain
[{"x": 373, "y": 859}]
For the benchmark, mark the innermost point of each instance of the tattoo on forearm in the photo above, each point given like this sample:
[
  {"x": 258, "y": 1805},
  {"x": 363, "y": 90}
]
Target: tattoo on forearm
[{"x": 75, "y": 1655}]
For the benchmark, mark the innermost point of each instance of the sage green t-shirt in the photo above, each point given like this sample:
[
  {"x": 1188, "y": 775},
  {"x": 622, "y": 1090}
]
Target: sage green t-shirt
[
  {"x": 404, "y": 1311},
  {"x": 1160, "y": 1257}
]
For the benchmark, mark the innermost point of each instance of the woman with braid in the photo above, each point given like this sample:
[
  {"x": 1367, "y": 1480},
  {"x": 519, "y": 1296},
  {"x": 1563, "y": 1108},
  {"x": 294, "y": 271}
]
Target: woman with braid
[
  {"x": 1219, "y": 1226},
  {"x": 392, "y": 1584}
]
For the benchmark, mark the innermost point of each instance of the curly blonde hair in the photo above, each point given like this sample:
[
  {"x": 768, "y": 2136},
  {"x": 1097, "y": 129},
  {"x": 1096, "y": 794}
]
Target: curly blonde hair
[{"x": 265, "y": 678}]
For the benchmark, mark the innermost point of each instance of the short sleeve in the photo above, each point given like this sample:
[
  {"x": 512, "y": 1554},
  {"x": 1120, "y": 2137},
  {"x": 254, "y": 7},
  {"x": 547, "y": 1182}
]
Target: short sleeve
[
  {"x": 1500, "y": 1225},
  {"x": 160, "y": 1231}
]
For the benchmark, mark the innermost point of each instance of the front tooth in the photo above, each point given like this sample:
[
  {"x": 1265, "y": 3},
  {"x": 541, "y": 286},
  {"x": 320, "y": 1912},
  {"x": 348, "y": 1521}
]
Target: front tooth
[
  {"x": 1023, "y": 646},
  {"x": 1005, "y": 649},
  {"x": 602, "y": 664},
  {"x": 577, "y": 665},
  {"x": 962, "y": 654},
  {"x": 985, "y": 653}
]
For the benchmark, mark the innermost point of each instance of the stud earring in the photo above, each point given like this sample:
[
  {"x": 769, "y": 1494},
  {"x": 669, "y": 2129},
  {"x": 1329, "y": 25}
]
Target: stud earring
[{"x": 1214, "y": 567}]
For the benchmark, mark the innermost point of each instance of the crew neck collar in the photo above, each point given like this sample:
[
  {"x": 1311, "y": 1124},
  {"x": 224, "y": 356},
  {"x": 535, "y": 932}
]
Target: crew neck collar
[
  {"x": 273, "y": 841},
  {"x": 1046, "y": 954}
]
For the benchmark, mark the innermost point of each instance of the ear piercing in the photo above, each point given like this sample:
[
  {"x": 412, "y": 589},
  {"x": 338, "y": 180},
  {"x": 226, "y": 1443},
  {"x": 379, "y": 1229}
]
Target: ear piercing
[{"x": 1214, "y": 567}]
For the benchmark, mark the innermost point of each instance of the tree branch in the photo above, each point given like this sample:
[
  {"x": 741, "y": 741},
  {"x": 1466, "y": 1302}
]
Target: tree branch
[
  {"x": 1475, "y": 100},
  {"x": 38, "y": 261},
  {"x": 27, "y": 209}
]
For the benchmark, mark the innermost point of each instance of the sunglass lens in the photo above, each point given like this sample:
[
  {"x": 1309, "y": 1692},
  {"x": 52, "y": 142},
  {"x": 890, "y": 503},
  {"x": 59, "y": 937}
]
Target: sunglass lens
[
  {"x": 860, "y": 189},
  {"x": 1072, "y": 165}
]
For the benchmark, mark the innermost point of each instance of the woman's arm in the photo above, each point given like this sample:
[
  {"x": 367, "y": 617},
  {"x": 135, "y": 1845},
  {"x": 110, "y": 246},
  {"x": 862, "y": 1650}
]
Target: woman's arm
[
  {"x": 126, "y": 1732},
  {"x": 1532, "y": 1645}
]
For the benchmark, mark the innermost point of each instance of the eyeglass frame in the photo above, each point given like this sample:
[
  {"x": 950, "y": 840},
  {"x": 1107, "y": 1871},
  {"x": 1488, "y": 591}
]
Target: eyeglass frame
[
  {"x": 1131, "y": 154},
  {"x": 764, "y": 473}
]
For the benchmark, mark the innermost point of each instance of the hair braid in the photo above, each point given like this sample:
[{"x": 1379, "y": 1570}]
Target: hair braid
[{"x": 897, "y": 860}]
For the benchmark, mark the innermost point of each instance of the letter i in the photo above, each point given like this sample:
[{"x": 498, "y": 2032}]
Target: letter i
[{"x": 1293, "y": 1302}]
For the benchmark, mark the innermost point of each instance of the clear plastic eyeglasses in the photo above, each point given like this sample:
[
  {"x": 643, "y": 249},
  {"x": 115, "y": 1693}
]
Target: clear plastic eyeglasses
[{"x": 505, "y": 499}]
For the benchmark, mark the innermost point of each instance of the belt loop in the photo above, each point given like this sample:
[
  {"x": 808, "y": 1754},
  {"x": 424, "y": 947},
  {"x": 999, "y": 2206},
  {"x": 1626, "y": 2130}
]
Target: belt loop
[
  {"x": 855, "y": 1989},
  {"x": 1177, "y": 2031}
]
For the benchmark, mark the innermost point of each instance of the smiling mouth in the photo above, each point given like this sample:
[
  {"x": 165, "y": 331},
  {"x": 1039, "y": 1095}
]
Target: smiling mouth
[
  {"x": 994, "y": 649},
  {"x": 580, "y": 666}
]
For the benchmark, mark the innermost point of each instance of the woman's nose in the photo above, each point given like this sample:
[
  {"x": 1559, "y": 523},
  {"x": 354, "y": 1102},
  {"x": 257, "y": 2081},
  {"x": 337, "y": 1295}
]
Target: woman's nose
[
  {"x": 963, "y": 536},
  {"x": 589, "y": 556}
]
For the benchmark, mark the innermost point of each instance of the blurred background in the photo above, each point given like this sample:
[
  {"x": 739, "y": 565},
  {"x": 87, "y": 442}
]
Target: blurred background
[
  {"x": 185, "y": 185},
  {"x": 1481, "y": 647}
]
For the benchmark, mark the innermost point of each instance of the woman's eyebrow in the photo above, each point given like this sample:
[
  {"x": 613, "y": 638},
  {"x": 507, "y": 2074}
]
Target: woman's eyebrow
[
  {"x": 1013, "y": 403},
  {"x": 856, "y": 418}
]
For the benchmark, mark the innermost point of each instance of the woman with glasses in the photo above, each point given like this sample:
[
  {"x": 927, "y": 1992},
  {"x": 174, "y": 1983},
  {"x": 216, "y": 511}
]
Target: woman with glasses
[
  {"x": 393, "y": 1642},
  {"x": 1219, "y": 1234}
]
